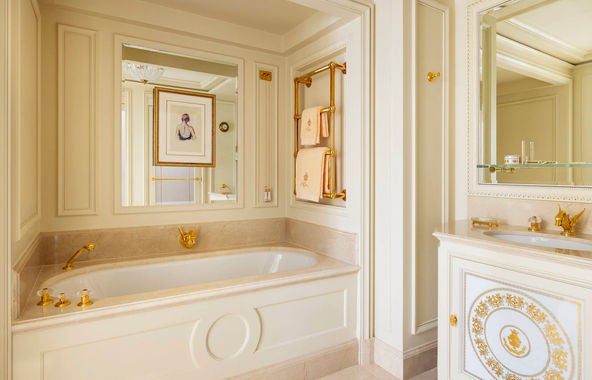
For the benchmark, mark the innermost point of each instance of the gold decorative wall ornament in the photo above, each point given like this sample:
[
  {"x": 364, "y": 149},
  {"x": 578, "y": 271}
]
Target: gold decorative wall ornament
[
  {"x": 453, "y": 320},
  {"x": 265, "y": 75}
]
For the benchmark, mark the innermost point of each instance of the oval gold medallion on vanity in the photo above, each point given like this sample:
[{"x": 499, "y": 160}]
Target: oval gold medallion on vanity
[{"x": 515, "y": 336}]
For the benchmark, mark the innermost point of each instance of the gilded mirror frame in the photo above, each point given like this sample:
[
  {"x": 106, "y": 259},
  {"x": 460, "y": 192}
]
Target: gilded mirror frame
[
  {"x": 119, "y": 42},
  {"x": 472, "y": 100}
]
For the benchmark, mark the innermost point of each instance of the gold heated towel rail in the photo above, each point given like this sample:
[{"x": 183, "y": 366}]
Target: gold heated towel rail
[{"x": 306, "y": 79}]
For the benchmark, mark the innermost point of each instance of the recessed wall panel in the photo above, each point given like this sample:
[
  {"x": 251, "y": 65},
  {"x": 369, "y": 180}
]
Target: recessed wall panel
[{"x": 76, "y": 121}]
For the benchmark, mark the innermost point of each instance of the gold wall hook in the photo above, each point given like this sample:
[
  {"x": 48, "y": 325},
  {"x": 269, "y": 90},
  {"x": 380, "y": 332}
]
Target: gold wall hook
[
  {"x": 187, "y": 239},
  {"x": 85, "y": 298},
  {"x": 45, "y": 297},
  {"x": 432, "y": 76},
  {"x": 62, "y": 302}
]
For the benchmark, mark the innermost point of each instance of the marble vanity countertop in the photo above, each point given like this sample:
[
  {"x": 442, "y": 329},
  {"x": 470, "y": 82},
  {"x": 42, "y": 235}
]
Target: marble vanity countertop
[{"x": 463, "y": 231}]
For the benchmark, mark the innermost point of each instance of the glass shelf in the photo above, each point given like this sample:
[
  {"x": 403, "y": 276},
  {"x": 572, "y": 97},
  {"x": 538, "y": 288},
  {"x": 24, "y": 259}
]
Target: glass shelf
[{"x": 534, "y": 165}]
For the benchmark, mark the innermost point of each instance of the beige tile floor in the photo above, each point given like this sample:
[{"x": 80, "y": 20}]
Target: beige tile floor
[{"x": 374, "y": 372}]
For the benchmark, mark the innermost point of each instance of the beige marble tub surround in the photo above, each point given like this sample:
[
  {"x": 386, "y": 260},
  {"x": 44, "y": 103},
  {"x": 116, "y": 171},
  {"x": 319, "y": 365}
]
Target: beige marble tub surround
[
  {"x": 333, "y": 243},
  {"x": 313, "y": 366},
  {"x": 132, "y": 242}
]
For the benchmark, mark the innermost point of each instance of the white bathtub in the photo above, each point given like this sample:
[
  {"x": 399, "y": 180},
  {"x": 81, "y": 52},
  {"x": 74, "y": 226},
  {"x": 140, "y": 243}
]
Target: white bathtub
[
  {"x": 202, "y": 316},
  {"x": 112, "y": 281}
]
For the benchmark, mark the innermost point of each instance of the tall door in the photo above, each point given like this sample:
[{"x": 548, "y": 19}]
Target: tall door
[{"x": 431, "y": 158}]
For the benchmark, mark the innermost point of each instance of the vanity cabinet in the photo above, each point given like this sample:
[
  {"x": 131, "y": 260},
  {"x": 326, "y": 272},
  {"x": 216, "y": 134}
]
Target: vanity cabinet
[{"x": 510, "y": 312}]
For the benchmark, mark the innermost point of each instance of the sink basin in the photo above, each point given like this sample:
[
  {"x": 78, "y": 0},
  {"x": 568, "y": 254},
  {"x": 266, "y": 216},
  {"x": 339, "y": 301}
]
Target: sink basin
[{"x": 543, "y": 240}]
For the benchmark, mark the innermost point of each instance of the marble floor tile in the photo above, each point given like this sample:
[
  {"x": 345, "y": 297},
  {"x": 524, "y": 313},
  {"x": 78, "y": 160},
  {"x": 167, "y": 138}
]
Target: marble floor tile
[{"x": 374, "y": 372}]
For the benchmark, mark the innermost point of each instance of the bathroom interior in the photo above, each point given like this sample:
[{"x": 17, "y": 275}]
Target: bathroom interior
[{"x": 447, "y": 233}]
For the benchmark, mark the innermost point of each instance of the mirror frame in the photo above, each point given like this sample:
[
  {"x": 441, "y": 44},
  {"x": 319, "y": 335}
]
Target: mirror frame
[
  {"x": 472, "y": 92},
  {"x": 119, "y": 41}
]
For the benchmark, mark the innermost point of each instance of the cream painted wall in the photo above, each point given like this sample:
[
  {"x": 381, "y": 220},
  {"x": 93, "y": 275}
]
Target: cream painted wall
[
  {"x": 104, "y": 30},
  {"x": 395, "y": 75},
  {"x": 5, "y": 184},
  {"x": 25, "y": 127}
]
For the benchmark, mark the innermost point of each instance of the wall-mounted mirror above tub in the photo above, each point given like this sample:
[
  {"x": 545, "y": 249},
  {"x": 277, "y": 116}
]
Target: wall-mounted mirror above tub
[
  {"x": 533, "y": 80},
  {"x": 183, "y": 75}
]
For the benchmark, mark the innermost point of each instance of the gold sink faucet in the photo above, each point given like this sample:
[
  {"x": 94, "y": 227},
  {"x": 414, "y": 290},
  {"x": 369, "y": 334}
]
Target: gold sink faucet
[
  {"x": 88, "y": 247},
  {"x": 568, "y": 224}
]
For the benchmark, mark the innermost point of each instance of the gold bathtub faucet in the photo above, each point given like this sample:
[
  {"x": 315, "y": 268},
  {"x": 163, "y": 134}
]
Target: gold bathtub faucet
[
  {"x": 187, "y": 239},
  {"x": 88, "y": 247},
  {"x": 568, "y": 224}
]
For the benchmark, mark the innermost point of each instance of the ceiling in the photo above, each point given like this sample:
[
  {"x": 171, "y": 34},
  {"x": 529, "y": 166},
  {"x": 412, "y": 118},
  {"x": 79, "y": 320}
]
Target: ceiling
[{"x": 272, "y": 16}]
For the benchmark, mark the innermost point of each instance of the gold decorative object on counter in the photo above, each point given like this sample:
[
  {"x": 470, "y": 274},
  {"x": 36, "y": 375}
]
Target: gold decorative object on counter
[
  {"x": 85, "y": 298},
  {"x": 62, "y": 302},
  {"x": 568, "y": 224},
  {"x": 490, "y": 223},
  {"x": 187, "y": 239},
  {"x": 45, "y": 297},
  {"x": 535, "y": 223},
  {"x": 89, "y": 247}
]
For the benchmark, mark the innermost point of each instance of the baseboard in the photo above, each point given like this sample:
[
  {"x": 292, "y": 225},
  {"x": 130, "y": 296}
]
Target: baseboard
[
  {"x": 311, "y": 366},
  {"x": 405, "y": 365}
]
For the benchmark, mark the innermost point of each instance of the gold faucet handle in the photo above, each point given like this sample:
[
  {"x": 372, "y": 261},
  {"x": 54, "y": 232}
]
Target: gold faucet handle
[
  {"x": 45, "y": 295},
  {"x": 62, "y": 302},
  {"x": 535, "y": 223},
  {"x": 85, "y": 300}
]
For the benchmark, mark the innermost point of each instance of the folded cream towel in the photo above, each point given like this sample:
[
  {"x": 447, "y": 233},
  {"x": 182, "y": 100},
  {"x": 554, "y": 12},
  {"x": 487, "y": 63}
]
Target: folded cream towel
[
  {"x": 310, "y": 124},
  {"x": 324, "y": 124},
  {"x": 309, "y": 173}
]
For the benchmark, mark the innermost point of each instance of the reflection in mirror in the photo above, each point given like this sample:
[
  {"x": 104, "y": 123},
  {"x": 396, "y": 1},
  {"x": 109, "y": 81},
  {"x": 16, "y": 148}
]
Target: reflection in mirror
[
  {"x": 144, "y": 184},
  {"x": 536, "y": 77}
]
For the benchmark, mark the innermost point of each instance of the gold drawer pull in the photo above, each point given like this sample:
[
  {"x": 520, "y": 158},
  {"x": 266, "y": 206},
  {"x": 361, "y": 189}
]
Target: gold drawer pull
[{"x": 453, "y": 320}]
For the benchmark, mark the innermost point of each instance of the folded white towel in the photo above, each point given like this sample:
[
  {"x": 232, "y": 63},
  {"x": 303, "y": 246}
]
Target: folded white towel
[
  {"x": 310, "y": 125},
  {"x": 309, "y": 173}
]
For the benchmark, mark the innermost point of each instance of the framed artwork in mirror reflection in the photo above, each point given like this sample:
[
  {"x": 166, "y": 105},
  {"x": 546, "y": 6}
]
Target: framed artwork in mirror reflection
[{"x": 184, "y": 128}]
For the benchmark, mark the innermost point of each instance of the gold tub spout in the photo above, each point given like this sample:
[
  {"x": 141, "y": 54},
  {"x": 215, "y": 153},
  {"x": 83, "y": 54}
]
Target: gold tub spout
[
  {"x": 568, "y": 224},
  {"x": 88, "y": 247}
]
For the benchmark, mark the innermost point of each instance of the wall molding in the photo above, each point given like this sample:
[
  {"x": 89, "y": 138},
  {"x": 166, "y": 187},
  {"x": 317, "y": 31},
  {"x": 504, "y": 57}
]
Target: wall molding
[
  {"x": 266, "y": 106},
  {"x": 77, "y": 138},
  {"x": 419, "y": 326},
  {"x": 25, "y": 224}
]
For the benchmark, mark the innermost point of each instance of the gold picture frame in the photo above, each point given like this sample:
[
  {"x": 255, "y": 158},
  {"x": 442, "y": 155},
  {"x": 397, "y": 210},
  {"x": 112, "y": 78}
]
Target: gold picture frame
[{"x": 184, "y": 128}]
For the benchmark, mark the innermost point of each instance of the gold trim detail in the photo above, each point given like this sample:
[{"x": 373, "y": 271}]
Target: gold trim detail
[
  {"x": 265, "y": 75},
  {"x": 453, "y": 320}
]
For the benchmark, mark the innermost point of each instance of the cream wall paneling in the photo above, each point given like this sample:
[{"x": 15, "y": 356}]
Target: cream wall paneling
[
  {"x": 430, "y": 158},
  {"x": 5, "y": 189},
  {"x": 77, "y": 139},
  {"x": 266, "y": 185},
  {"x": 26, "y": 95}
]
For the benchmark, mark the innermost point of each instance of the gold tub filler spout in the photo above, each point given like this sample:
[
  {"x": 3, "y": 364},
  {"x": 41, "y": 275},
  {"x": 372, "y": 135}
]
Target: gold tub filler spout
[
  {"x": 69, "y": 264},
  {"x": 187, "y": 239}
]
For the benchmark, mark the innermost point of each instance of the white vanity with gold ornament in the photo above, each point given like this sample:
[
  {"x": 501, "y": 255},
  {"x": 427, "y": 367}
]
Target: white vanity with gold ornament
[{"x": 511, "y": 310}]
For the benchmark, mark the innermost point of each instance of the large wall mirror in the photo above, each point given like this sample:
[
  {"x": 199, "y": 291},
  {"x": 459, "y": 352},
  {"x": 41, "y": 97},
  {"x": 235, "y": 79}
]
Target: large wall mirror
[
  {"x": 144, "y": 184},
  {"x": 535, "y": 88}
]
